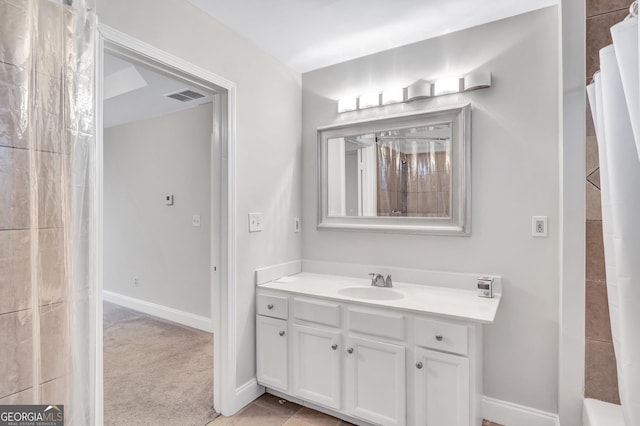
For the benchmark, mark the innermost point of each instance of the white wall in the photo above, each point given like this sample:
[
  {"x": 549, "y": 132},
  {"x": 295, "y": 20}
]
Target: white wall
[
  {"x": 268, "y": 148},
  {"x": 572, "y": 291},
  {"x": 144, "y": 161},
  {"x": 514, "y": 176}
]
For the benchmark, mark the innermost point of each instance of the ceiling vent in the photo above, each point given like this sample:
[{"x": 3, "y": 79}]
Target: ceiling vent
[{"x": 185, "y": 95}]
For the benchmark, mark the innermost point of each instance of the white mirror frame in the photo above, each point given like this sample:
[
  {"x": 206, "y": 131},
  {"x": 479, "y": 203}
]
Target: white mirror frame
[{"x": 459, "y": 224}]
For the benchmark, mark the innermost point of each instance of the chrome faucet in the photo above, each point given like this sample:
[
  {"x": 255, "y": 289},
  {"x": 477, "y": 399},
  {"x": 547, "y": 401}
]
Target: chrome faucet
[{"x": 378, "y": 280}]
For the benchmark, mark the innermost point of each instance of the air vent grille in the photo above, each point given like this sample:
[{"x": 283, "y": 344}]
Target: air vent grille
[
  {"x": 185, "y": 95},
  {"x": 191, "y": 94}
]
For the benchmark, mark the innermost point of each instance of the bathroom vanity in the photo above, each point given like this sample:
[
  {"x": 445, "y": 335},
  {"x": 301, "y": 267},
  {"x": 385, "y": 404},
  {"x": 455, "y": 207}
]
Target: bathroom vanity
[{"x": 407, "y": 355}]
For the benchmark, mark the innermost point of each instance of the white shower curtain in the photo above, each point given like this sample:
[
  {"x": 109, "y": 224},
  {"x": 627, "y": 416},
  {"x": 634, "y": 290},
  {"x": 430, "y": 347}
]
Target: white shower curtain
[
  {"x": 615, "y": 104},
  {"x": 47, "y": 123}
]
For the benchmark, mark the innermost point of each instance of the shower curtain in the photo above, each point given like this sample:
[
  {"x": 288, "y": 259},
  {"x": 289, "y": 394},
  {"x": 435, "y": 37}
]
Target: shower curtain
[
  {"x": 614, "y": 97},
  {"x": 47, "y": 143},
  {"x": 413, "y": 181}
]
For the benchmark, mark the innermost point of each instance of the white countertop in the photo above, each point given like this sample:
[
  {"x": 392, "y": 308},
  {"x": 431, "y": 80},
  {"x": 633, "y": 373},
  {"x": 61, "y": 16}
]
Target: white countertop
[{"x": 441, "y": 301}]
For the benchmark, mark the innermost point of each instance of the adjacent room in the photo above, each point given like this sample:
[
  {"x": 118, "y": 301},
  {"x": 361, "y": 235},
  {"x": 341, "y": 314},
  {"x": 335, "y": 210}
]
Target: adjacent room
[{"x": 158, "y": 341}]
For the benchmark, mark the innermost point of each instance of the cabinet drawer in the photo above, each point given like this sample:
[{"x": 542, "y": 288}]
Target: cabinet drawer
[
  {"x": 273, "y": 306},
  {"x": 442, "y": 336},
  {"x": 316, "y": 311},
  {"x": 376, "y": 323}
]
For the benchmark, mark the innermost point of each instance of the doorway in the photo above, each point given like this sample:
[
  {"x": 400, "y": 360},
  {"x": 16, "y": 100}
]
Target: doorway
[
  {"x": 158, "y": 342},
  {"x": 222, "y": 206}
]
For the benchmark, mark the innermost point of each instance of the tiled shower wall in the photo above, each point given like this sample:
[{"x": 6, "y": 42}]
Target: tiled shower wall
[
  {"x": 600, "y": 363},
  {"x": 33, "y": 274}
]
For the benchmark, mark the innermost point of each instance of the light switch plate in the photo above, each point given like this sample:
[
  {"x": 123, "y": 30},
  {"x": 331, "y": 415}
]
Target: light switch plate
[
  {"x": 255, "y": 222},
  {"x": 296, "y": 225}
]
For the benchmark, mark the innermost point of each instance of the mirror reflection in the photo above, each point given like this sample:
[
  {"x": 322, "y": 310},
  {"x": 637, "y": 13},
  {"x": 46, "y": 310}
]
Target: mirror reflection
[{"x": 403, "y": 172}]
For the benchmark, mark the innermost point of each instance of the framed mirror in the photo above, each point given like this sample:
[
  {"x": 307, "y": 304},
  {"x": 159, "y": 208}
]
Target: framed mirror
[{"x": 403, "y": 173}]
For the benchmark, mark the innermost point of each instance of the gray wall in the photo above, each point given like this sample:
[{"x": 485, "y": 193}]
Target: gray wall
[
  {"x": 268, "y": 169},
  {"x": 515, "y": 152},
  {"x": 144, "y": 238}
]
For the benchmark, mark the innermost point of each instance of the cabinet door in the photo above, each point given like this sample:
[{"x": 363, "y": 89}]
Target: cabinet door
[
  {"x": 271, "y": 357},
  {"x": 442, "y": 389},
  {"x": 376, "y": 381},
  {"x": 317, "y": 366}
]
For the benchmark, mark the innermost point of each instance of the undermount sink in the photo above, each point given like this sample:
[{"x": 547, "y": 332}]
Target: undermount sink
[{"x": 371, "y": 293}]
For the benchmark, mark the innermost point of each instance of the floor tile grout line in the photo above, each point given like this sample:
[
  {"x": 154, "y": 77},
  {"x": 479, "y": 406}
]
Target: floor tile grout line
[
  {"x": 606, "y": 13},
  {"x": 593, "y": 220},
  {"x": 599, "y": 340}
]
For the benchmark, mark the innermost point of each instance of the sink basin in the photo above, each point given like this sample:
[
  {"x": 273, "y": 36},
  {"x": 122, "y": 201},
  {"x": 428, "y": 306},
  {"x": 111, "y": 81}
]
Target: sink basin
[{"x": 371, "y": 293}]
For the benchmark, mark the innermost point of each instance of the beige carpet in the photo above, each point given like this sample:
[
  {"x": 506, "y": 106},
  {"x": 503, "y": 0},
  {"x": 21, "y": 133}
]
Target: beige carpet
[{"x": 155, "y": 372}]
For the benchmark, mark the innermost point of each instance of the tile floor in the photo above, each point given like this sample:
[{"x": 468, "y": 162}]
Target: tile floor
[{"x": 269, "y": 411}]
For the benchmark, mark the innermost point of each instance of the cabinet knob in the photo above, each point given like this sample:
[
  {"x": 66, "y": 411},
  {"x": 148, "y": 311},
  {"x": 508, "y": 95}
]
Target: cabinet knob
[
  {"x": 439, "y": 337},
  {"x": 350, "y": 350},
  {"x": 419, "y": 365},
  {"x": 281, "y": 333},
  {"x": 334, "y": 347},
  {"x": 270, "y": 306}
]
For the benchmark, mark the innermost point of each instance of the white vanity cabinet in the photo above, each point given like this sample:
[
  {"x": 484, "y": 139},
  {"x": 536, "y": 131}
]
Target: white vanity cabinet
[
  {"x": 376, "y": 365},
  {"x": 442, "y": 395},
  {"x": 272, "y": 341},
  {"x": 317, "y": 365},
  {"x": 316, "y": 351},
  {"x": 272, "y": 348},
  {"x": 376, "y": 381},
  {"x": 444, "y": 380}
]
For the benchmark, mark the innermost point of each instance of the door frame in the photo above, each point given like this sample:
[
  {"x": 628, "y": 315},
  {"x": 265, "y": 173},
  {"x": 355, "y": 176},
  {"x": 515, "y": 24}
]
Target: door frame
[{"x": 223, "y": 206}]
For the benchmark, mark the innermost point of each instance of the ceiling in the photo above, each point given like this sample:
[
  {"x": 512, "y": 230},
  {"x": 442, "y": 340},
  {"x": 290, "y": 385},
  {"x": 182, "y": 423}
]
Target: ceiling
[
  {"x": 311, "y": 34},
  {"x": 133, "y": 92}
]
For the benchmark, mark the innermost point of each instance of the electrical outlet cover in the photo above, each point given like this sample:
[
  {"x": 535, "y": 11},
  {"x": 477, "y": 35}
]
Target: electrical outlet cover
[{"x": 539, "y": 226}]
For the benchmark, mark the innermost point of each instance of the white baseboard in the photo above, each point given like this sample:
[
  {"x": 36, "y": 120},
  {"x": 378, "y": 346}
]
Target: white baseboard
[
  {"x": 510, "y": 414},
  {"x": 599, "y": 413},
  {"x": 247, "y": 393},
  {"x": 497, "y": 411},
  {"x": 164, "y": 312}
]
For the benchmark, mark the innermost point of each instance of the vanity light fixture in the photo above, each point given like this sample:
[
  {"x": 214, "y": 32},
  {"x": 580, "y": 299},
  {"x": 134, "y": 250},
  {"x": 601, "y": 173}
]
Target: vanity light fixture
[
  {"x": 477, "y": 80},
  {"x": 392, "y": 96},
  {"x": 446, "y": 86},
  {"x": 369, "y": 100},
  {"x": 348, "y": 104},
  {"x": 419, "y": 90}
]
